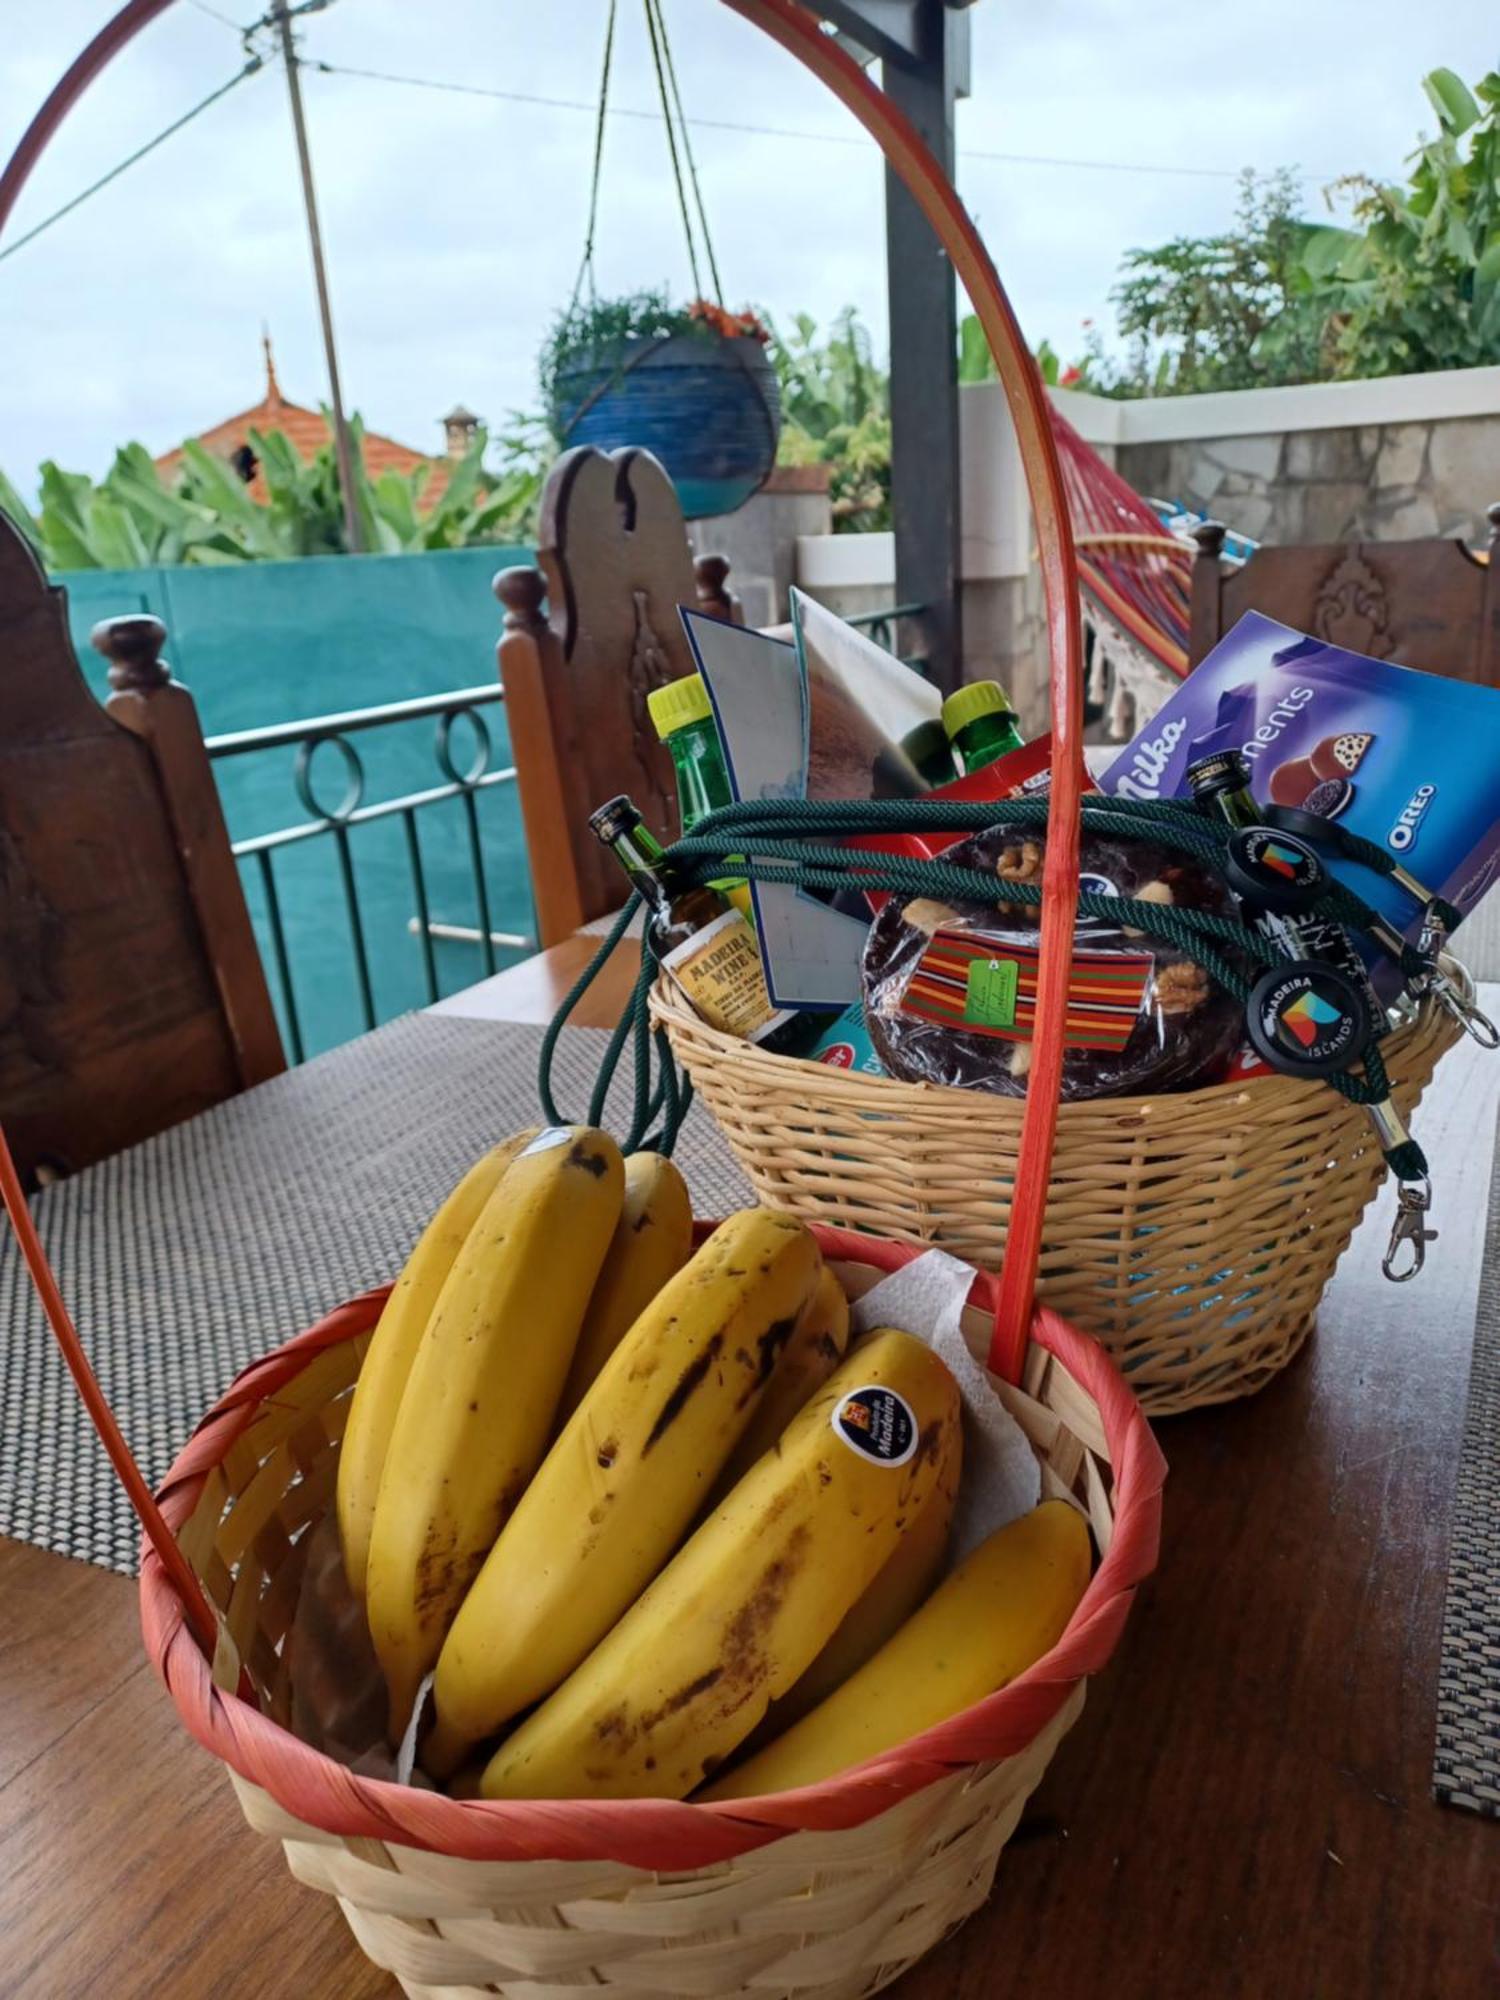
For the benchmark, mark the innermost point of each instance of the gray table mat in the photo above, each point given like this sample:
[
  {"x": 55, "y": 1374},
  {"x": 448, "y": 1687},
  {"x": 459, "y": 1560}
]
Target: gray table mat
[
  {"x": 187, "y": 1257},
  {"x": 1466, "y": 1767}
]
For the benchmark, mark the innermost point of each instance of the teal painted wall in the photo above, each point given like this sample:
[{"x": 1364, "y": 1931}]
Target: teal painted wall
[{"x": 262, "y": 643}]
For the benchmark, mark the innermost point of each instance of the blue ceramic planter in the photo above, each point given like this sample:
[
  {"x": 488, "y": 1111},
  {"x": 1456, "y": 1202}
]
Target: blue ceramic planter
[{"x": 708, "y": 408}]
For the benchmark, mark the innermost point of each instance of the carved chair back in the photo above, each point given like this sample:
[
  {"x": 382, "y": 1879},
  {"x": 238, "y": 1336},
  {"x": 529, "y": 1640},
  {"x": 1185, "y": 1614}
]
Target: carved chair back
[
  {"x": 131, "y": 989},
  {"x": 1431, "y": 604},
  {"x": 588, "y": 635}
]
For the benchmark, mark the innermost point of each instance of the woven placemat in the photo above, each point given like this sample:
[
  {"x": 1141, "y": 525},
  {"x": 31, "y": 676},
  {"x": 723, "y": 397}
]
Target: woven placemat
[
  {"x": 187, "y": 1257},
  {"x": 1466, "y": 1768}
]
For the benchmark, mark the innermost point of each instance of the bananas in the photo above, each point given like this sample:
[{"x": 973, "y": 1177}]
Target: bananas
[
  {"x": 651, "y": 1244},
  {"x": 625, "y": 1479},
  {"x": 483, "y": 1387},
  {"x": 997, "y": 1614},
  {"x": 752, "y": 1599},
  {"x": 902, "y": 1584},
  {"x": 387, "y": 1362},
  {"x": 813, "y": 1352}
]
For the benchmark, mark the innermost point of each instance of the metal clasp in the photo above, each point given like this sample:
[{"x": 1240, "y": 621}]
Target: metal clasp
[
  {"x": 1477, "y": 1025},
  {"x": 1413, "y": 1200}
]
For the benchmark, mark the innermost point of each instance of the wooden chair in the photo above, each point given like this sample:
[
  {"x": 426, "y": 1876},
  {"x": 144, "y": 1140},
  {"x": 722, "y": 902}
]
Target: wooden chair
[
  {"x": 131, "y": 989},
  {"x": 614, "y": 566},
  {"x": 1429, "y": 604}
]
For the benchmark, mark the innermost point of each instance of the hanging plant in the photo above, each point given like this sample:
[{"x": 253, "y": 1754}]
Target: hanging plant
[{"x": 691, "y": 384}]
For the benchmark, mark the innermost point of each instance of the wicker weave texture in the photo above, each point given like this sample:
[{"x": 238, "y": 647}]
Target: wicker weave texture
[
  {"x": 840, "y": 1906},
  {"x": 1192, "y": 1234}
]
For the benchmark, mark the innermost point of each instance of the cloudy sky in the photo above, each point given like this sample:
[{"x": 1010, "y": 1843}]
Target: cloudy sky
[{"x": 454, "y": 221}]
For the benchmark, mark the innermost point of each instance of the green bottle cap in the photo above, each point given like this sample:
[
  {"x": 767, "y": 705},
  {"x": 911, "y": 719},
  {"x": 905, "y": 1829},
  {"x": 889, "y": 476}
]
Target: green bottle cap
[
  {"x": 679, "y": 703},
  {"x": 969, "y": 704}
]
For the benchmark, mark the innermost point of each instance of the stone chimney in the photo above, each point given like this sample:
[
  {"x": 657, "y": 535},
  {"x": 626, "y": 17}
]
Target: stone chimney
[{"x": 459, "y": 427}]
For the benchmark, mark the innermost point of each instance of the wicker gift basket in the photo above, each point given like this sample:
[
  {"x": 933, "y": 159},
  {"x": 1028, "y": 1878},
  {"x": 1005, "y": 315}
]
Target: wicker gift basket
[
  {"x": 832, "y": 1890},
  {"x": 1192, "y": 1234}
]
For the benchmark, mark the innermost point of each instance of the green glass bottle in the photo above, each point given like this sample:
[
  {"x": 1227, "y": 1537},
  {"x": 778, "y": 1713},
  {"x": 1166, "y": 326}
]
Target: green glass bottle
[
  {"x": 684, "y": 719},
  {"x": 702, "y": 942},
  {"x": 981, "y": 725}
]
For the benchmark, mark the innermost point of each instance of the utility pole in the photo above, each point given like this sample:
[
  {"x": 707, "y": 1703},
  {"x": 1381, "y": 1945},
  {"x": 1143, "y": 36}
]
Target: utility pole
[{"x": 281, "y": 15}]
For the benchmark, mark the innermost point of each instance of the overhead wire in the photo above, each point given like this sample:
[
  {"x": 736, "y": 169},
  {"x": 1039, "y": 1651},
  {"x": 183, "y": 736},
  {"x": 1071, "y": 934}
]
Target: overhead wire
[
  {"x": 253, "y": 63},
  {"x": 777, "y": 131}
]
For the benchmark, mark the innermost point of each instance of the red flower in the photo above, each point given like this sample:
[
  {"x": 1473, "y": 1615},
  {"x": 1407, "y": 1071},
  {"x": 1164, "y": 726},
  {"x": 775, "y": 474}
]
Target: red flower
[{"x": 728, "y": 325}]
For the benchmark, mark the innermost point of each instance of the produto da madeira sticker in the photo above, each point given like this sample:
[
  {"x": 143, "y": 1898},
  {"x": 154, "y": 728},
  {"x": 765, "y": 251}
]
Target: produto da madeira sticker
[{"x": 878, "y": 1424}]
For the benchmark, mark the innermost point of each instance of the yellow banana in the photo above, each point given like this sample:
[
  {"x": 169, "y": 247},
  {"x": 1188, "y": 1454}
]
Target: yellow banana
[
  {"x": 1001, "y": 1609},
  {"x": 388, "y": 1359},
  {"x": 906, "y": 1579},
  {"x": 653, "y": 1239},
  {"x": 482, "y": 1391},
  {"x": 813, "y": 1352},
  {"x": 621, "y": 1486},
  {"x": 754, "y": 1596}
]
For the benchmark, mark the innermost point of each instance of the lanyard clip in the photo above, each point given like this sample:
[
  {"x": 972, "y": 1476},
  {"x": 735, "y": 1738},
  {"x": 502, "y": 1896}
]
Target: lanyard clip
[
  {"x": 1413, "y": 1200},
  {"x": 1478, "y": 1026}
]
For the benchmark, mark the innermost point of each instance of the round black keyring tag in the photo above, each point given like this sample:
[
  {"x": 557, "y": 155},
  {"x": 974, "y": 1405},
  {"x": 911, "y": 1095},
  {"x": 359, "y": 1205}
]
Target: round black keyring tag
[
  {"x": 1307, "y": 1019},
  {"x": 1272, "y": 870}
]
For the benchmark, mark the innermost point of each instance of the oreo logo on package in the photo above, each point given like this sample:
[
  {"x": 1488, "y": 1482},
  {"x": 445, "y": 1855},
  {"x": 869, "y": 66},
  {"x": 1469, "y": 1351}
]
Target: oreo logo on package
[{"x": 878, "y": 1424}]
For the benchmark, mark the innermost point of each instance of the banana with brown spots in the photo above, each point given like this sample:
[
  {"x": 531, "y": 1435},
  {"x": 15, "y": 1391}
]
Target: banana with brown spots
[{"x": 752, "y": 1599}]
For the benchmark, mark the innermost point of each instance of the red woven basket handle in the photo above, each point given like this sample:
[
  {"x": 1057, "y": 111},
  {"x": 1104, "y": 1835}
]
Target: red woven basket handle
[{"x": 799, "y": 32}]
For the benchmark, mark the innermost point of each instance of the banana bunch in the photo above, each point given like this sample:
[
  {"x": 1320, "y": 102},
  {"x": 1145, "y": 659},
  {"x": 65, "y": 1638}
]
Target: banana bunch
[{"x": 647, "y": 1510}]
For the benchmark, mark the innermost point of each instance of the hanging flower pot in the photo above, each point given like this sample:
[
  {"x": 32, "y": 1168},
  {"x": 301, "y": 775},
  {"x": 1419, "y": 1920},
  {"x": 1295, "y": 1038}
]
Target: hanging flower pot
[{"x": 694, "y": 387}]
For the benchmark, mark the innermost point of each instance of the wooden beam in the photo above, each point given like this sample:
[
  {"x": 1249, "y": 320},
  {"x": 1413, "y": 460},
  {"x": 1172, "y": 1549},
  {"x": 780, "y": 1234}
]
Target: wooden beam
[{"x": 924, "y": 353}]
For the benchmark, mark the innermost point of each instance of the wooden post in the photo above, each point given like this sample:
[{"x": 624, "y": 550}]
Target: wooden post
[
  {"x": 924, "y": 351},
  {"x": 151, "y": 705},
  {"x": 1205, "y": 606},
  {"x": 529, "y": 653},
  {"x": 714, "y": 595}
]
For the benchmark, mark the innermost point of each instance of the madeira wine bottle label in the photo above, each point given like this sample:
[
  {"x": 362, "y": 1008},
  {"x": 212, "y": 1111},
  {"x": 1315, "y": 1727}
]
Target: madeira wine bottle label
[{"x": 719, "y": 971}]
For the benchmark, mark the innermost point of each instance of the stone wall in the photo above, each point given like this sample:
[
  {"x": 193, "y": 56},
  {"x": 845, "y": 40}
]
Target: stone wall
[{"x": 1366, "y": 482}]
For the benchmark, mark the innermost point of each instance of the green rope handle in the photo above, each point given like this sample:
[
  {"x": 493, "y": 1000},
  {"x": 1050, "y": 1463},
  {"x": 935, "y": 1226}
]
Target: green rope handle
[{"x": 768, "y": 840}]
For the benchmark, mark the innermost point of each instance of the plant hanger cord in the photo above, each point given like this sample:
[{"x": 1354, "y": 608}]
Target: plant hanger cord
[
  {"x": 586, "y": 264},
  {"x": 656, "y": 29},
  {"x": 670, "y": 66}
]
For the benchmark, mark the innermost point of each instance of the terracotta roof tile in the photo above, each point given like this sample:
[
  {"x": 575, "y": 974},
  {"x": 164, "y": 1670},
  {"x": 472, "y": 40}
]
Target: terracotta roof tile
[{"x": 307, "y": 431}]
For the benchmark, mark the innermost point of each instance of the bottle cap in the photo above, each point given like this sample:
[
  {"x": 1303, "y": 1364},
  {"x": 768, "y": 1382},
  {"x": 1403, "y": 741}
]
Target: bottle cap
[
  {"x": 616, "y": 816},
  {"x": 677, "y": 704},
  {"x": 969, "y": 703},
  {"x": 1220, "y": 770}
]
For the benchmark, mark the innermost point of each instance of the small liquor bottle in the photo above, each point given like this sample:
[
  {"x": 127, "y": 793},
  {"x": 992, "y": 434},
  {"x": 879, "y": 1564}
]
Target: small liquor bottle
[
  {"x": 981, "y": 725},
  {"x": 702, "y": 942}
]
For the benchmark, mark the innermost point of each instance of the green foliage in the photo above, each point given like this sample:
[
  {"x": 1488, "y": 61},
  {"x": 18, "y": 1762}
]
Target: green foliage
[
  {"x": 1417, "y": 286},
  {"x": 133, "y": 519},
  {"x": 835, "y": 411},
  {"x": 1413, "y": 286}
]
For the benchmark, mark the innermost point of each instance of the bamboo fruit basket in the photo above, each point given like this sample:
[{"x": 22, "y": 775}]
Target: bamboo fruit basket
[
  {"x": 1192, "y": 1234},
  {"x": 828, "y": 1892}
]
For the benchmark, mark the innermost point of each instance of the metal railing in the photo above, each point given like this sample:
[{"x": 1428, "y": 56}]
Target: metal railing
[
  {"x": 881, "y": 626},
  {"x": 336, "y": 821}
]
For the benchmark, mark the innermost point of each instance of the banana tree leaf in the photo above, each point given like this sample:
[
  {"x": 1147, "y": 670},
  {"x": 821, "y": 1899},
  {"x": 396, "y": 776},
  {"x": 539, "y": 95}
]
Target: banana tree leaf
[
  {"x": 12, "y": 504},
  {"x": 1452, "y": 100},
  {"x": 114, "y": 537}
]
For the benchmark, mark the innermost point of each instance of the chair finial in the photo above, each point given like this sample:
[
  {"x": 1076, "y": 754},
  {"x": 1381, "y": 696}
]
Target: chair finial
[{"x": 132, "y": 645}]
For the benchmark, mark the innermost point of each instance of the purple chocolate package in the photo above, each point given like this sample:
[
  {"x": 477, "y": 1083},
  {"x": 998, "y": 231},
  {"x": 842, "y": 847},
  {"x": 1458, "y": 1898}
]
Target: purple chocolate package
[{"x": 1408, "y": 760}]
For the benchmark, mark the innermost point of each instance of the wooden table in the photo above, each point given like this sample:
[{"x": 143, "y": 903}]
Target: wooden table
[{"x": 1243, "y": 1812}]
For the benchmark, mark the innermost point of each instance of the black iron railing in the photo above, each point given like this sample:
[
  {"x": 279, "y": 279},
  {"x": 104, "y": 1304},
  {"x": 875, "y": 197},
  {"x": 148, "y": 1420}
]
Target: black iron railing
[{"x": 314, "y": 739}]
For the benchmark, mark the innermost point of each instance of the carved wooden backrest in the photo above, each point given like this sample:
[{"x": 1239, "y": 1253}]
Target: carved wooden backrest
[
  {"x": 131, "y": 991},
  {"x": 1430, "y": 604},
  {"x": 614, "y": 566}
]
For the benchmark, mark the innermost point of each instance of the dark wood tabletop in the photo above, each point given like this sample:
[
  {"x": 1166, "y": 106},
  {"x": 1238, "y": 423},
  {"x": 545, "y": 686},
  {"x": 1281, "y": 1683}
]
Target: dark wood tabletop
[{"x": 1243, "y": 1812}]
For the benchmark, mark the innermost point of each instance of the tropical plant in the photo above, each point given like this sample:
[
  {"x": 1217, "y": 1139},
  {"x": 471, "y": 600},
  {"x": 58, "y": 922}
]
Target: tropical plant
[
  {"x": 1417, "y": 285},
  {"x": 1413, "y": 285},
  {"x": 132, "y": 518},
  {"x": 835, "y": 411}
]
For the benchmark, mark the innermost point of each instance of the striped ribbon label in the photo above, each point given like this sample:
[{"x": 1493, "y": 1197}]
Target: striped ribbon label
[{"x": 987, "y": 985}]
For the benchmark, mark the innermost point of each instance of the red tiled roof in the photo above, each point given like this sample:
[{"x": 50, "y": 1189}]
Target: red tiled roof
[{"x": 307, "y": 431}]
